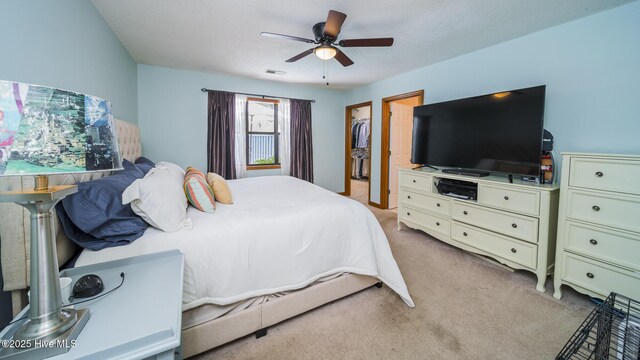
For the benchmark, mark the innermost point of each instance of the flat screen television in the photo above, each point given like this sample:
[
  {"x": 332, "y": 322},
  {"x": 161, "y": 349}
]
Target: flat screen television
[{"x": 499, "y": 132}]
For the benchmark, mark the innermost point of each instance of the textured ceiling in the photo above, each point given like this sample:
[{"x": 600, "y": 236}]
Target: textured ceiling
[{"x": 224, "y": 36}]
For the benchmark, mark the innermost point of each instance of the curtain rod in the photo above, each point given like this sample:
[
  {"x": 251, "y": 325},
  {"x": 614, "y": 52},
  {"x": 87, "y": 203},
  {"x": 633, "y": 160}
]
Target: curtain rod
[{"x": 258, "y": 95}]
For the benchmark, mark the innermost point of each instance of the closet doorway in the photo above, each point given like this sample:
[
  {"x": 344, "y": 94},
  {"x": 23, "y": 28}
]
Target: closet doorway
[
  {"x": 397, "y": 126},
  {"x": 358, "y": 151}
]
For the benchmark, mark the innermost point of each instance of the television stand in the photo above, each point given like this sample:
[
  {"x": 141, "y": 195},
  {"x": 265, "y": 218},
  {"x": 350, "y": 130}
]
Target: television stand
[
  {"x": 513, "y": 223},
  {"x": 467, "y": 172}
]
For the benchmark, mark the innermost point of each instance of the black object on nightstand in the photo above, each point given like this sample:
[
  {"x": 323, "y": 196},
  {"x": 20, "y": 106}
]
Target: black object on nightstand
[{"x": 87, "y": 286}]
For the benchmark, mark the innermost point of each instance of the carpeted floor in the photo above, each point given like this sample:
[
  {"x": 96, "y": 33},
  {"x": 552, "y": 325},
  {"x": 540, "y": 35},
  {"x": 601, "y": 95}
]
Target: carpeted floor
[{"x": 466, "y": 308}]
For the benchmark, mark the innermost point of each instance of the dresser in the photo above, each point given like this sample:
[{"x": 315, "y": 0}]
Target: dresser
[
  {"x": 598, "y": 248},
  {"x": 513, "y": 223}
]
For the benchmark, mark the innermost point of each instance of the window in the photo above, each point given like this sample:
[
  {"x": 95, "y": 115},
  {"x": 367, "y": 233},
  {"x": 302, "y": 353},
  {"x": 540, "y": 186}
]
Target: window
[{"x": 262, "y": 134}]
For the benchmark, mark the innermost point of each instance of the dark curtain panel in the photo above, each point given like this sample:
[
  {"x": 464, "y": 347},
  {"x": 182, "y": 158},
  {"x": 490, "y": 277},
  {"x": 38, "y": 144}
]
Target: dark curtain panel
[
  {"x": 301, "y": 144},
  {"x": 221, "y": 134}
]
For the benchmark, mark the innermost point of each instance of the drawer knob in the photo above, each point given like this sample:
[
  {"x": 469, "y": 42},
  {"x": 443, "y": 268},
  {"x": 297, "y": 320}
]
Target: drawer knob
[
  {"x": 408, "y": 213},
  {"x": 464, "y": 233},
  {"x": 599, "y": 174},
  {"x": 438, "y": 204},
  {"x": 465, "y": 212},
  {"x": 437, "y": 223},
  {"x": 513, "y": 250},
  {"x": 593, "y": 242},
  {"x": 590, "y": 275},
  {"x": 506, "y": 197},
  {"x": 414, "y": 181},
  {"x": 408, "y": 196},
  {"x": 514, "y": 225},
  {"x": 595, "y": 208}
]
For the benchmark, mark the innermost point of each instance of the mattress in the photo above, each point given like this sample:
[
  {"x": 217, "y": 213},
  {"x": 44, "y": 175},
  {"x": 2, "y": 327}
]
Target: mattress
[{"x": 280, "y": 234}]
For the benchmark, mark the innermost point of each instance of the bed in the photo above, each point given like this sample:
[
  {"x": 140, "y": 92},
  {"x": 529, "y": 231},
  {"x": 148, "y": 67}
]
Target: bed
[{"x": 232, "y": 287}]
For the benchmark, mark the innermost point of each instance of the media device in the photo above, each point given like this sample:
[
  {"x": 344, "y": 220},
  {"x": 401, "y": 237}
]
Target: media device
[
  {"x": 499, "y": 132},
  {"x": 87, "y": 286},
  {"x": 457, "y": 188},
  {"x": 547, "y": 141}
]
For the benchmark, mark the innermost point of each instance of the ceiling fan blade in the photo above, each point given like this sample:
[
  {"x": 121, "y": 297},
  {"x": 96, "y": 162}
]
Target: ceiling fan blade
[
  {"x": 287, "y": 37},
  {"x": 300, "y": 56},
  {"x": 335, "y": 19},
  {"x": 343, "y": 59},
  {"x": 366, "y": 42}
]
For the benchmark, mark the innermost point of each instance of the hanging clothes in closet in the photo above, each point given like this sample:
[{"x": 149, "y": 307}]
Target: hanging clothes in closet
[
  {"x": 360, "y": 134},
  {"x": 359, "y": 164},
  {"x": 360, "y": 131}
]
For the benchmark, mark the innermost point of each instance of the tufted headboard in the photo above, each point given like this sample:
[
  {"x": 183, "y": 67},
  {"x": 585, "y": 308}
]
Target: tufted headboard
[{"x": 15, "y": 220}]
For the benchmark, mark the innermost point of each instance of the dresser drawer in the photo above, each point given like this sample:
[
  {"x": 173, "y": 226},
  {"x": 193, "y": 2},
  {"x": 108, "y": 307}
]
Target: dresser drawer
[
  {"x": 425, "y": 220},
  {"x": 426, "y": 202},
  {"x": 519, "y": 252},
  {"x": 618, "y": 247},
  {"x": 422, "y": 183},
  {"x": 605, "y": 209},
  {"x": 606, "y": 174},
  {"x": 523, "y": 201},
  {"x": 599, "y": 277},
  {"x": 518, "y": 226}
]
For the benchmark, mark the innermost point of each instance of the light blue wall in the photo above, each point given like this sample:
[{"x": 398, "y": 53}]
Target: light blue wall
[
  {"x": 67, "y": 44},
  {"x": 591, "y": 68},
  {"x": 173, "y": 118}
]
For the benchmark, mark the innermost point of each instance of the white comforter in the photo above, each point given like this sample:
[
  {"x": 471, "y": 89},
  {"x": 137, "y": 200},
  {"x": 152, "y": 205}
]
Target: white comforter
[{"x": 280, "y": 234}]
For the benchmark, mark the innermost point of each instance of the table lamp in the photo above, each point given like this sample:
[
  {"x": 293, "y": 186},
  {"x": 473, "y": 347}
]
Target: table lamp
[{"x": 46, "y": 131}]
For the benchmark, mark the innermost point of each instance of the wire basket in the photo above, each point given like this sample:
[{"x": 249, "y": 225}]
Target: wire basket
[{"x": 611, "y": 331}]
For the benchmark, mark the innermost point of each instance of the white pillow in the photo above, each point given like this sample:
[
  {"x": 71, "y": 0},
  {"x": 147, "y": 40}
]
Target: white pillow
[
  {"x": 175, "y": 169},
  {"x": 159, "y": 199}
]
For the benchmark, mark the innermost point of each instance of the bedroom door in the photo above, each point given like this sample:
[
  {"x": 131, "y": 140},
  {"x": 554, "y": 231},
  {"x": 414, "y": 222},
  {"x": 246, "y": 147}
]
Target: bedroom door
[
  {"x": 401, "y": 128},
  {"x": 410, "y": 99}
]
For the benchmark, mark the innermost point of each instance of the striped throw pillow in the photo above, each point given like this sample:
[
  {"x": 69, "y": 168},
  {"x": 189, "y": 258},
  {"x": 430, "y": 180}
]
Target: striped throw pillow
[{"x": 198, "y": 192}]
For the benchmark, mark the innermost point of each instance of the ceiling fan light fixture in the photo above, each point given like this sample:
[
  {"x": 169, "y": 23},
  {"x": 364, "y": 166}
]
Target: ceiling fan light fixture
[
  {"x": 325, "y": 52},
  {"x": 326, "y": 35}
]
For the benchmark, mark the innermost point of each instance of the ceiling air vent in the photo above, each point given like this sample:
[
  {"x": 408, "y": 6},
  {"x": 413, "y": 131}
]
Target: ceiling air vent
[{"x": 275, "y": 72}]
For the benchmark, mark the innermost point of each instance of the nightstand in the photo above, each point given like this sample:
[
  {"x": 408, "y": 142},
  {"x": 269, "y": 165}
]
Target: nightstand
[{"x": 140, "y": 320}]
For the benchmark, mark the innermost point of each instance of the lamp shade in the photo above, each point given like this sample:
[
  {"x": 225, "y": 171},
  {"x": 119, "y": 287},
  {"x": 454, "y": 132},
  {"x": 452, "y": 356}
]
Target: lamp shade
[{"x": 46, "y": 131}]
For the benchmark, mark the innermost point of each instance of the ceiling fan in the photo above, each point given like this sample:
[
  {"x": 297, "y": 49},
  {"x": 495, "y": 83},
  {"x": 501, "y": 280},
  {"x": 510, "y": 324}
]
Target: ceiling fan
[{"x": 326, "y": 36}]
